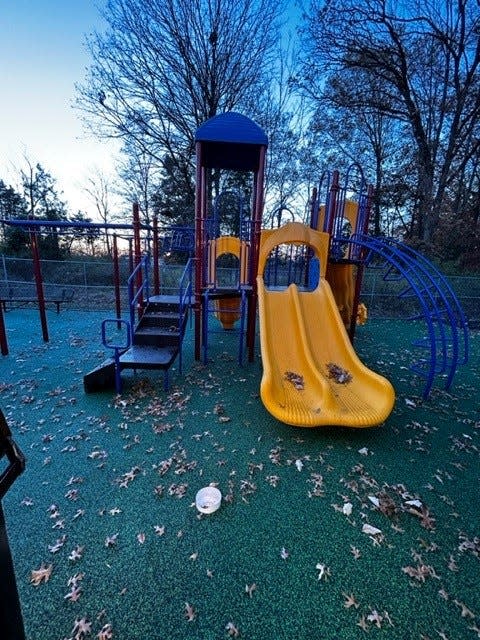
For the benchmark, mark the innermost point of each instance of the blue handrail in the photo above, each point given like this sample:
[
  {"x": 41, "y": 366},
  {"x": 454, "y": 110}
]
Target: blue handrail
[
  {"x": 185, "y": 286},
  {"x": 185, "y": 302},
  {"x": 134, "y": 299}
]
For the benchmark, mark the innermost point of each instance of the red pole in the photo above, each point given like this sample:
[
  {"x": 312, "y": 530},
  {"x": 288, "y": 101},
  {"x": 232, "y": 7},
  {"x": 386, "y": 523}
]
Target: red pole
[
  {"x": 3, "y": 333},
  {"x": 137, "y": 252},
  {"x": 156, "y": 258},
  {"x": 37, "y": 272},
  {"x": 257, "y": 210},
  {"x": 131, "y": 265},
  {"x": 116, "y": 279}
]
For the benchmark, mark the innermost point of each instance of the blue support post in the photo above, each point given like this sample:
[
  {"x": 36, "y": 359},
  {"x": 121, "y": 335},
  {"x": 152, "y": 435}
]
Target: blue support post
[{"x": 118, "y": 348}]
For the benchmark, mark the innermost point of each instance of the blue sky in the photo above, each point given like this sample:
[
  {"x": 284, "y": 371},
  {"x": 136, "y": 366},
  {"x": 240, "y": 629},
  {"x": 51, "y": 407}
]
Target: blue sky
[{"x": 42, "y": 55}]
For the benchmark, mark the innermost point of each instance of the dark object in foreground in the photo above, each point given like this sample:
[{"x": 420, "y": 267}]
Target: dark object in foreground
[{"x": 11, "y": 622}]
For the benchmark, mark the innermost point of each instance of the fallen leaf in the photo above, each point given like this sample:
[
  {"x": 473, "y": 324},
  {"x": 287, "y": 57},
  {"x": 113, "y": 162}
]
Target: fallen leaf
[
  {"x": 190, "y": 612},
  {"x": 284, "y": 554},
  {"x": 40, "y": 575},
  {"x": 232, "y": 630},
  {"x": 74, "y": 594},
  {"x": 111, "y": 541},
  {"x": 350, "y": 601},
  {"x": 324, "y": 571},
  {"x": 370, "y": 530},
  {"x": 295, "y": 379}
]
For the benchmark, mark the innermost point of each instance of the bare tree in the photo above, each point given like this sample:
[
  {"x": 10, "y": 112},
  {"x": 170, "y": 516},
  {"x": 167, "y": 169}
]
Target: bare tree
[
  {"x": 165, "y": 66},
  {"x": 283, "y": 116},
  {"x": 344, "y": 134},
  {"x": 140, "y": 177},
  {"x": 97, "y": 187},
  {"x": 424, "y": 60}
]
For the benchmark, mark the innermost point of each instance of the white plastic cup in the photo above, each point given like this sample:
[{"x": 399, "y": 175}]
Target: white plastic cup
[{"x": 208, "y": 499}]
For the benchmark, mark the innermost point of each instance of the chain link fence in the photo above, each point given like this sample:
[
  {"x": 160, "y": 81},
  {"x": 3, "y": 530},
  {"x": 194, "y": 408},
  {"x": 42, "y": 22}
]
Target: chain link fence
[
  {"x": 92, "y": 282},
  {"x": 383, "y": 300}
]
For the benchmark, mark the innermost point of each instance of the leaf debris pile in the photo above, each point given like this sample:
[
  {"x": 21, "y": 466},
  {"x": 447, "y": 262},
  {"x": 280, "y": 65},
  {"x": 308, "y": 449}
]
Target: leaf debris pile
[
  {"x": 338, "y": 373},
  {"x": 295, "y": 379}
]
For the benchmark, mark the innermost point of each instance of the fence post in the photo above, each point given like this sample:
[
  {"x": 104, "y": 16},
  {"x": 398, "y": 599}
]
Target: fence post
[{"x": 5, "y": 274}]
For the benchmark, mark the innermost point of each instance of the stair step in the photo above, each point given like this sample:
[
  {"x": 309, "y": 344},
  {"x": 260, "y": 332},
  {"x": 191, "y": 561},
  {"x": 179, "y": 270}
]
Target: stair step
[
  {"x": 161, "y": 325},
  {"x": 166, "y": 303},
  {"x": 159, "y": 319},
  {"x": 150, "y": 329},
  {"x": 160, "y": 313},
  {"x": 156, "y": 307},
  {"x": 148, "y": 357},
  {"x": 154, "y": 336}
]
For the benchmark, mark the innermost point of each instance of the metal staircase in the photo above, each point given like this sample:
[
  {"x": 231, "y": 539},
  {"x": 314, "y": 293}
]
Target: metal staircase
[
  {"x": 153, "y": 342},
  {"x": 157, "y": 338}
]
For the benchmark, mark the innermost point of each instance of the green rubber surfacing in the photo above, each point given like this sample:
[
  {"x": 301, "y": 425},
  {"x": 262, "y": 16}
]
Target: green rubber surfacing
[{"x": 132, "y": 465}]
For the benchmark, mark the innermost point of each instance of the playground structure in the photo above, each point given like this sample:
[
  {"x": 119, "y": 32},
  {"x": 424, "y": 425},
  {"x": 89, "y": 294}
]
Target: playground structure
[
  {"x": 306, "y": 280},
  {"x": 229, "y": 141}
]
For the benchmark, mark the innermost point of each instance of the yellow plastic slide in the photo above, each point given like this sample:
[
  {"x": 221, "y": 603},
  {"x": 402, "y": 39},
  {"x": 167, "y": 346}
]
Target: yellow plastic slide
[{"x": 311, "y": 373}]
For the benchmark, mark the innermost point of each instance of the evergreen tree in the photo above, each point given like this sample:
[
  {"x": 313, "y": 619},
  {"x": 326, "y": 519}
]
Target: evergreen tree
[
  {"x": 43, "y": 202},
  {"x": 12, "y": 207}
]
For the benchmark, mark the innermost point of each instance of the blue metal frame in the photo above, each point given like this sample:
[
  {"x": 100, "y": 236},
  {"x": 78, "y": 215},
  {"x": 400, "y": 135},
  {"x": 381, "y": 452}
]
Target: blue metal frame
[
  {"x": 325, "y": 177},
  {"x": 143, "y": 292},
  {"x": 212, "y": 231},
  {"x": 185, "y": 302},
  {"x": 454, "y": 309},
  {"x": 207, "y": 310},
  {"x": 440, "y": 307},
  {"x": 142, "y": 295},
  {"x": 339, "y": 247},
  {"x": 179, "y": 238}
]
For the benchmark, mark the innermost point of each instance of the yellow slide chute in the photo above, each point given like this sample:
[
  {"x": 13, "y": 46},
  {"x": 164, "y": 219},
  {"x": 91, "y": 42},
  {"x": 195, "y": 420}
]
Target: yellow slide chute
[{"x": 311, "y": 373}]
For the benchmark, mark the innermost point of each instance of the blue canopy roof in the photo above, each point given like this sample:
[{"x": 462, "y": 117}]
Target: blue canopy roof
[{"x": 231, "y": 141}]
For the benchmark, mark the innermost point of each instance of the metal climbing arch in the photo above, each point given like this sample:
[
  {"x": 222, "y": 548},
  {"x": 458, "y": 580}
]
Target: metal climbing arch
[{"x": 446, "y": 342}]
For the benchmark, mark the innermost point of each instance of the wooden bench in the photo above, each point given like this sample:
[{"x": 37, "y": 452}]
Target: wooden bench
[{"x": 16, "y": 300}]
